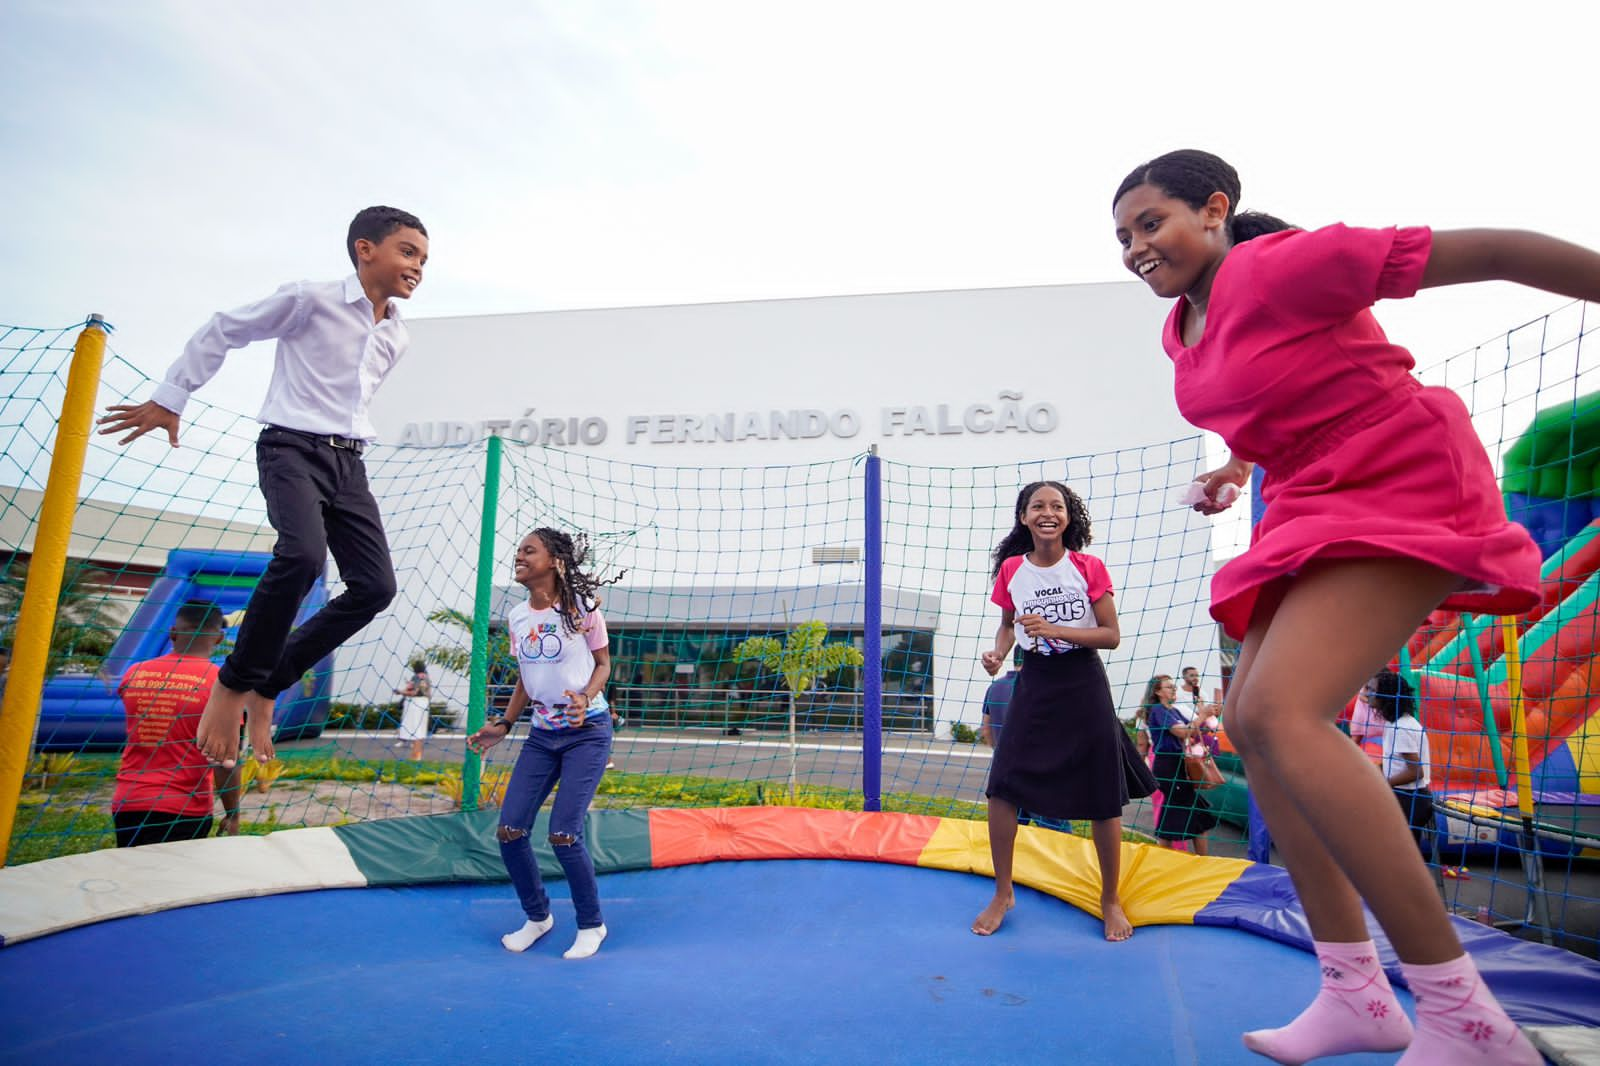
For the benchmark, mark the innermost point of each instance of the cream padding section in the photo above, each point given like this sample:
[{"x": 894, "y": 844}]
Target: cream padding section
[{"x": 38, "y": 898}]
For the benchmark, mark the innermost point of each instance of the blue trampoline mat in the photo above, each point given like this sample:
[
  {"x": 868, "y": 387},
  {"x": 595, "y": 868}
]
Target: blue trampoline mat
[{"x": 803, "y": 961}]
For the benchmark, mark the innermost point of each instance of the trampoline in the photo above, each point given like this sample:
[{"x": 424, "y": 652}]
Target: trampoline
[{"x": 781, "y": 958}]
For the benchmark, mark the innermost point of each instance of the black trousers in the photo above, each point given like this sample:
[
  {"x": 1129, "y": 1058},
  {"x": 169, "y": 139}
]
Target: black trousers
[
  {"x": 135, "y": 829},
  {"x": 318, "y": 500},
  {"x": 1418, "y": 807}
]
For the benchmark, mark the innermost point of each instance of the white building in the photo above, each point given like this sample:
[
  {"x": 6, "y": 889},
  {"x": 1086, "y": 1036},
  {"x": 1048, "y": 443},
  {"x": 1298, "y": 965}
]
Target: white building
[{"x": 721, "y": 444}]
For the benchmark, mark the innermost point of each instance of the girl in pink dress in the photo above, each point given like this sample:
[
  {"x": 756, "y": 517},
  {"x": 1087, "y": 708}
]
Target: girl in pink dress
[{"x": 1381, "y": 505}]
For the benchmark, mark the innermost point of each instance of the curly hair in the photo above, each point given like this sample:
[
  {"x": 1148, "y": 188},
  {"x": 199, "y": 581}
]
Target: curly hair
[
  {"x": 1192, "y": 176},
  {"x": 575, "y": 586},
  {"x": 1019, "y": 541},
  {"x": 1392, "y": 696}
]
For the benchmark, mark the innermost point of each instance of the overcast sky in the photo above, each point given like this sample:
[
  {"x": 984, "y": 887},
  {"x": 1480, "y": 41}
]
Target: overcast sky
[{"x": 164, "y": 160}]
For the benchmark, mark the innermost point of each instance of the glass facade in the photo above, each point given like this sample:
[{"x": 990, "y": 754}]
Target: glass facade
[{"x": 675, "y": 677}]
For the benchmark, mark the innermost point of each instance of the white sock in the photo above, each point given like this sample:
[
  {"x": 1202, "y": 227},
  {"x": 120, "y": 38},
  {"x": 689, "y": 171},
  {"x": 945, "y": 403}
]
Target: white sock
[
  {"x": 587, "y": 944},
  {"x": 523, "y": 938}
]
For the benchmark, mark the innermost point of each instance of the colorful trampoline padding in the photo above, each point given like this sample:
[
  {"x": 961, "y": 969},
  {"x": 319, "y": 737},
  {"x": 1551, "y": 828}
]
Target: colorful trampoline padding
[{"x": 1539, "y": 985}]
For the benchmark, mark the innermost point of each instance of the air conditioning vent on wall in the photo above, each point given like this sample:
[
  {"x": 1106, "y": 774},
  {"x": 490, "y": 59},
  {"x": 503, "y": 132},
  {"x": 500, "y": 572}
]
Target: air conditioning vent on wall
[{"x": 835, "y": 554}]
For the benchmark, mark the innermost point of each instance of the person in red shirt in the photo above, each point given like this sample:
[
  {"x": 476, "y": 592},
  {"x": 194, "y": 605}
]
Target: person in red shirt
[{"x": 164, "y": 786}]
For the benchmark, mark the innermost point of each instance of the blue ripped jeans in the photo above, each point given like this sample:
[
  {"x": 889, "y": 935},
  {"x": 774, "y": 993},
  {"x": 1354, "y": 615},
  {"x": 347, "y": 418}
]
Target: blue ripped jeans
[{"x": 575, "y": 758}]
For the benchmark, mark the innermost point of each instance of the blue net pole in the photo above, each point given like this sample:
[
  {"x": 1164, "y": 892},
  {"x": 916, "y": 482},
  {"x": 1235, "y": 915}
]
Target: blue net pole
[{"x": 872, "y": 641}]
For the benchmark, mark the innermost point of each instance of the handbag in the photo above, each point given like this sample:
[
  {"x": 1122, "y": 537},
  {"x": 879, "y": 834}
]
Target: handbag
[{"x": 1200, "y": 767}]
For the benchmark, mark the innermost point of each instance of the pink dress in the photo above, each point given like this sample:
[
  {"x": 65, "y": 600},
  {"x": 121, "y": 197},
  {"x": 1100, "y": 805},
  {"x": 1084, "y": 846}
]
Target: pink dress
[{"x": 1360, "y": 459}]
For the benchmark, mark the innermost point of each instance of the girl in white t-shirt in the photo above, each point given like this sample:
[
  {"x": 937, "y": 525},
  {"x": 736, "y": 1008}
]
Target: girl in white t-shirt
[
  {"x": 1406, "y": 764},
  {"x": 1063, "y": 752},
  {"x": 563, "y": 660}
]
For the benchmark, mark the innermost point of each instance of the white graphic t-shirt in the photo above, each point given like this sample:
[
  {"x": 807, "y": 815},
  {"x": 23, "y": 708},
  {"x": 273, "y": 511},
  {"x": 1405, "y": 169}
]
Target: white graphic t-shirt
[
  {"x": 1406, "y": 737},
  {"x": 1062, "y": 594},
  {"x": 552, "y": 661}
]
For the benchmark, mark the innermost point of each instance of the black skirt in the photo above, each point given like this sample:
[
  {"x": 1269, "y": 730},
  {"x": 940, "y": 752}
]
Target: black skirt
[
  {"x": 1063, "y": 752},
  {"x": 1185, "y": 814}
]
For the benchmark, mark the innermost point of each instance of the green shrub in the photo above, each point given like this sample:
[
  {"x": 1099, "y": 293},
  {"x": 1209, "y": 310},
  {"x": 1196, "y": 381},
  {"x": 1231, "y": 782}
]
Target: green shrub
[{"x": 962, "y": 733}]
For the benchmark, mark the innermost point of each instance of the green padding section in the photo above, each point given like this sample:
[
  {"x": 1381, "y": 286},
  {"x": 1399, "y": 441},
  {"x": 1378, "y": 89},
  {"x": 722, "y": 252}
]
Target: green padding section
[
  {"x": 462, "y": 846},
  {"x": 1556, "y": 456},
  {"x": 230, "y": 581}
]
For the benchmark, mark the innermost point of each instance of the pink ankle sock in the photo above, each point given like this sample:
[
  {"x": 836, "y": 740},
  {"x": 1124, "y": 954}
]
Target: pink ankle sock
[
  {"x": 1356, "y": 1010},
  {"x": 1460, "y": 1021}
]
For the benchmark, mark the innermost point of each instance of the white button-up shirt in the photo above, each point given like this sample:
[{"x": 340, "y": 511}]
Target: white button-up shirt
[{"x": 331, "y": 356}]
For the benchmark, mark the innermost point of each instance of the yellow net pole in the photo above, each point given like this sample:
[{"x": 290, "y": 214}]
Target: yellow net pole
[
  {"x": 30, "y": 651},
  {"x": 1519, "y": 720},
  {"x": 1537, "y": 911}
]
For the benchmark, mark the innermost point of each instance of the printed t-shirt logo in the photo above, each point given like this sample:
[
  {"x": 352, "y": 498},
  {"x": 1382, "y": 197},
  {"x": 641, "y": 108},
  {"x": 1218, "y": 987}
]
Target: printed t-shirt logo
[
  {"x": 1058, "y": 606},
  {"x": 542, "y": 641}
]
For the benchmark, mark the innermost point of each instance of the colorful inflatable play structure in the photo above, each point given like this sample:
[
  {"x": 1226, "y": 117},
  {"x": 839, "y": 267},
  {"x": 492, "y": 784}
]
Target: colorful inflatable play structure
[
  {"x": 83, "y": 712},
  {"x": 1464, "y": 675}
]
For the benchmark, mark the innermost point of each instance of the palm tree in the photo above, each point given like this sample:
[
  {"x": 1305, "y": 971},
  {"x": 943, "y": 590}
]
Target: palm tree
[
  {"x": 457, "y": 658},
  {"x": 85, "y": 625},
  {"x": 804, "y": 656}
]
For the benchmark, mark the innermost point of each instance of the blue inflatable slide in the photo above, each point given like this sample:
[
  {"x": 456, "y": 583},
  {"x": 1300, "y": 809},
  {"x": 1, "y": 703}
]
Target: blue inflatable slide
[{"x": 83, "y": 712}]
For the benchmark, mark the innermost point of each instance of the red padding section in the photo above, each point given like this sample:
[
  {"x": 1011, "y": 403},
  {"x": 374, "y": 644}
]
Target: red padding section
[{"x": 682, "y": 837}]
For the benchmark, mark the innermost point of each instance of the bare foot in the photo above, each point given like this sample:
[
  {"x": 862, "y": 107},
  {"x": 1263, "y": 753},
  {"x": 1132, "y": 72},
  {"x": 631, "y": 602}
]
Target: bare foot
[
  {"x": 989, "y": 919},
  {"x": 1117, "y": 925},
  {"x": 218, "y": 733},
  {"x": 258, "y": 725}
]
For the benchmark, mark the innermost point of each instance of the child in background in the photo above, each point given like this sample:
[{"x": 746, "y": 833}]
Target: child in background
[
  {"x": 1406, "y": 765},
  {"x": 164, "y": 783},
  {"x": 1381, "y": 505},
  {"x": 1063, "y": 753},
  {"x": 564, "y": 658}
]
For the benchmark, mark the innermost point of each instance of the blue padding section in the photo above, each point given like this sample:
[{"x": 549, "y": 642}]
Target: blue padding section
[
  {"x": 750, "y": 962},
  {"x": 1537, "y": 985},
  {"x": 1552, "y": 522},
  {"x": 1558, "y": 772}
]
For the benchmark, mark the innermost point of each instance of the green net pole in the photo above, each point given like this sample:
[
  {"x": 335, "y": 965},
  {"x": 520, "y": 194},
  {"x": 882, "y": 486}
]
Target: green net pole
[
  {"x": 1491, "y": 728},
  {"x": 478, "y": 701}
]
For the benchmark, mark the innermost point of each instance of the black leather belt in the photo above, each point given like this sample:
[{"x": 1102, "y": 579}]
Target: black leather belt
[{"x": 348, "y": 444}]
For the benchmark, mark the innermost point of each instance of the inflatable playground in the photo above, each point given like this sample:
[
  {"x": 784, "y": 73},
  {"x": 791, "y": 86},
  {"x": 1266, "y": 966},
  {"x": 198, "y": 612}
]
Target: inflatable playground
[
  {"x": 84, "y": 712},
  {"x": 1465, "y": 677},
  {"x": 739, "y": 927}
]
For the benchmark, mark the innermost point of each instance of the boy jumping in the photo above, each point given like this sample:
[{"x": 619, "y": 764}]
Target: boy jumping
[{"x": 337, "y": 341}]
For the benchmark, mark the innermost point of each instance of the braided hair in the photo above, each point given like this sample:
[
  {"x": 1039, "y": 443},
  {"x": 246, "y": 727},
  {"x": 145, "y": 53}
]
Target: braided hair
[
  {"x": 1019, "y": 541},
  {"x": 575, "y": 587},
  {"x": 1192, "y": 176}
]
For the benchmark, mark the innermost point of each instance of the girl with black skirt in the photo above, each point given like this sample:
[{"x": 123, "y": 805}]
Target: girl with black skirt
[
  {"x": 1063, "y": 752},
  {"x": 1185, "y": 814}
]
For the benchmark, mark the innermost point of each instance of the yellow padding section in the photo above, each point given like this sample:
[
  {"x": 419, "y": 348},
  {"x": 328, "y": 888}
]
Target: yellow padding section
[{"x": 1159, "y": 886}]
